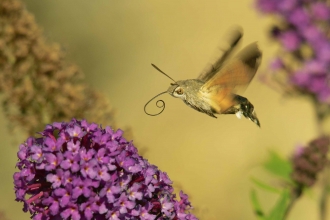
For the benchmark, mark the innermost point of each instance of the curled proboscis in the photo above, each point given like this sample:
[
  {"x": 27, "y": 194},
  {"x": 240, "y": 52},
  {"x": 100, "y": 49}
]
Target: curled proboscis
[{"x": 160, "y": 104}]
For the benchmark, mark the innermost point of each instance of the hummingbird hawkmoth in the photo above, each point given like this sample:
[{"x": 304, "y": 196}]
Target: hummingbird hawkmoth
[{"x": 214, "y": 91}]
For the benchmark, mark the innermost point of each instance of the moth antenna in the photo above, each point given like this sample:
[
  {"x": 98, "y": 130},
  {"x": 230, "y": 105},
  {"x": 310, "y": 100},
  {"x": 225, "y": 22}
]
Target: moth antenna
[
  {"x": 162, "y": 72},
  {"x": 161, "y": 105}
]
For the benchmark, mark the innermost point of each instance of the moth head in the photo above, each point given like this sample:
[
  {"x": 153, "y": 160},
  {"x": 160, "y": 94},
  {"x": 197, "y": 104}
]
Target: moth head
[{"x": 176, "y": 90}]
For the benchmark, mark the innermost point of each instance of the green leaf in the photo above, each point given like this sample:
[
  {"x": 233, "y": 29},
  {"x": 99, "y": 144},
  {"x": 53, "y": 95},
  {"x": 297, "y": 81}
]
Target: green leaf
[
  {"x": 278, "y": 166},
  {"x": 278, "y": 211},
  {"x": 265, "y": 186},
  {"x": 256, "y": 205}
]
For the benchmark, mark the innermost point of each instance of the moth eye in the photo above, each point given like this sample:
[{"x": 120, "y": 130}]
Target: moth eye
[{"x": 179, "y": 91}]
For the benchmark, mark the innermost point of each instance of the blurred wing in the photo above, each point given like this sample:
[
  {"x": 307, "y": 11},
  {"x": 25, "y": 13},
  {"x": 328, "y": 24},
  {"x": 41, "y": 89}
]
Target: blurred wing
[
  {"x": 239, "y": 71},
  {"x": 219, "y": 100},
  {"x": 224, "y": 51},
  {"x": 234, "y": 75}
]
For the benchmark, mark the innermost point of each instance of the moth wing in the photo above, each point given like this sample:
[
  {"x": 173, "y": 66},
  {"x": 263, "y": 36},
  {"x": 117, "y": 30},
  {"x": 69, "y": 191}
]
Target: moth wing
[
  {"x": 234, "y": 76},
  {"x": 224, "y": 51},
  {"x": 239, "y": 71},
  {"x": 219, "y": 98}
]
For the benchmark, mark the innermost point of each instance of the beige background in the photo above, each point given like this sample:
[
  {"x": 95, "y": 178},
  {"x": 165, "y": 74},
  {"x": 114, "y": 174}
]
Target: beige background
[{"x": 114, "y": 43}]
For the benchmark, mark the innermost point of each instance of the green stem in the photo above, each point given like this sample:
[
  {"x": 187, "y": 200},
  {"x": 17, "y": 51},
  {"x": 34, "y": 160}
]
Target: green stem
[
  {"x": 295, "y": 194},
  {"x": 324, "y": 194},
  {"x": 320, "y": 115}
]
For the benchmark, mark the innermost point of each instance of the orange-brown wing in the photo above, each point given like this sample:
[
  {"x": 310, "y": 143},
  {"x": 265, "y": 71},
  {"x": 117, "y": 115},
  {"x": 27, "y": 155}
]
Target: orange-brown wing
[
  {"x": 238, "y": 72},
  {"x": 234, "y": 75},
  {"x": 225, "y": 49},
  {"x": 219, "y": 98}
]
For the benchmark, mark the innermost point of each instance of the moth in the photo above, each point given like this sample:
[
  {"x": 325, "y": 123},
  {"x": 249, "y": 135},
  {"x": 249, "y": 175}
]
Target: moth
[{"x": 215, "y": 91}]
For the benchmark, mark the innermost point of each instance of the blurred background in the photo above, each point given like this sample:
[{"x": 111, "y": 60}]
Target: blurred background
[{"x": 212, "y": 160}]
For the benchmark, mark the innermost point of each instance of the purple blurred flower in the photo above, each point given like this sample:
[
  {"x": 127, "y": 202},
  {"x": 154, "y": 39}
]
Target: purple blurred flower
[
  {"x": 298, "y": 17},
  {"x": 267, "y": 6},
  {"x": 276, "y": 63},
  {"x": 313, "y": 36},
  {"x": 323, "y": 52},
  {"x": 304, "y": 61},
  {"x": 320, "y": 11},
  {"x": 290, "y": 40},
  {"x": 288, "y": 5},
  {"x": 78, "y": 170},
  {"x": 309, "y": 161}
]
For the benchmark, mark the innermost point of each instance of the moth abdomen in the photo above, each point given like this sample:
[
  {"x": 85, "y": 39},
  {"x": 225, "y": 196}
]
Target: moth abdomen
[
  {"x": 243, "y": 107},
  {"x": 205, "y": 109}
]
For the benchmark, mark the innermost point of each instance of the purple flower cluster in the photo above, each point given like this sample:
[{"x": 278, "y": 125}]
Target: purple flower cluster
[
  {"x": 303, "y": 31},
  {"x": 78, "y": 170},
  {"x": 309, "y": 161}
]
